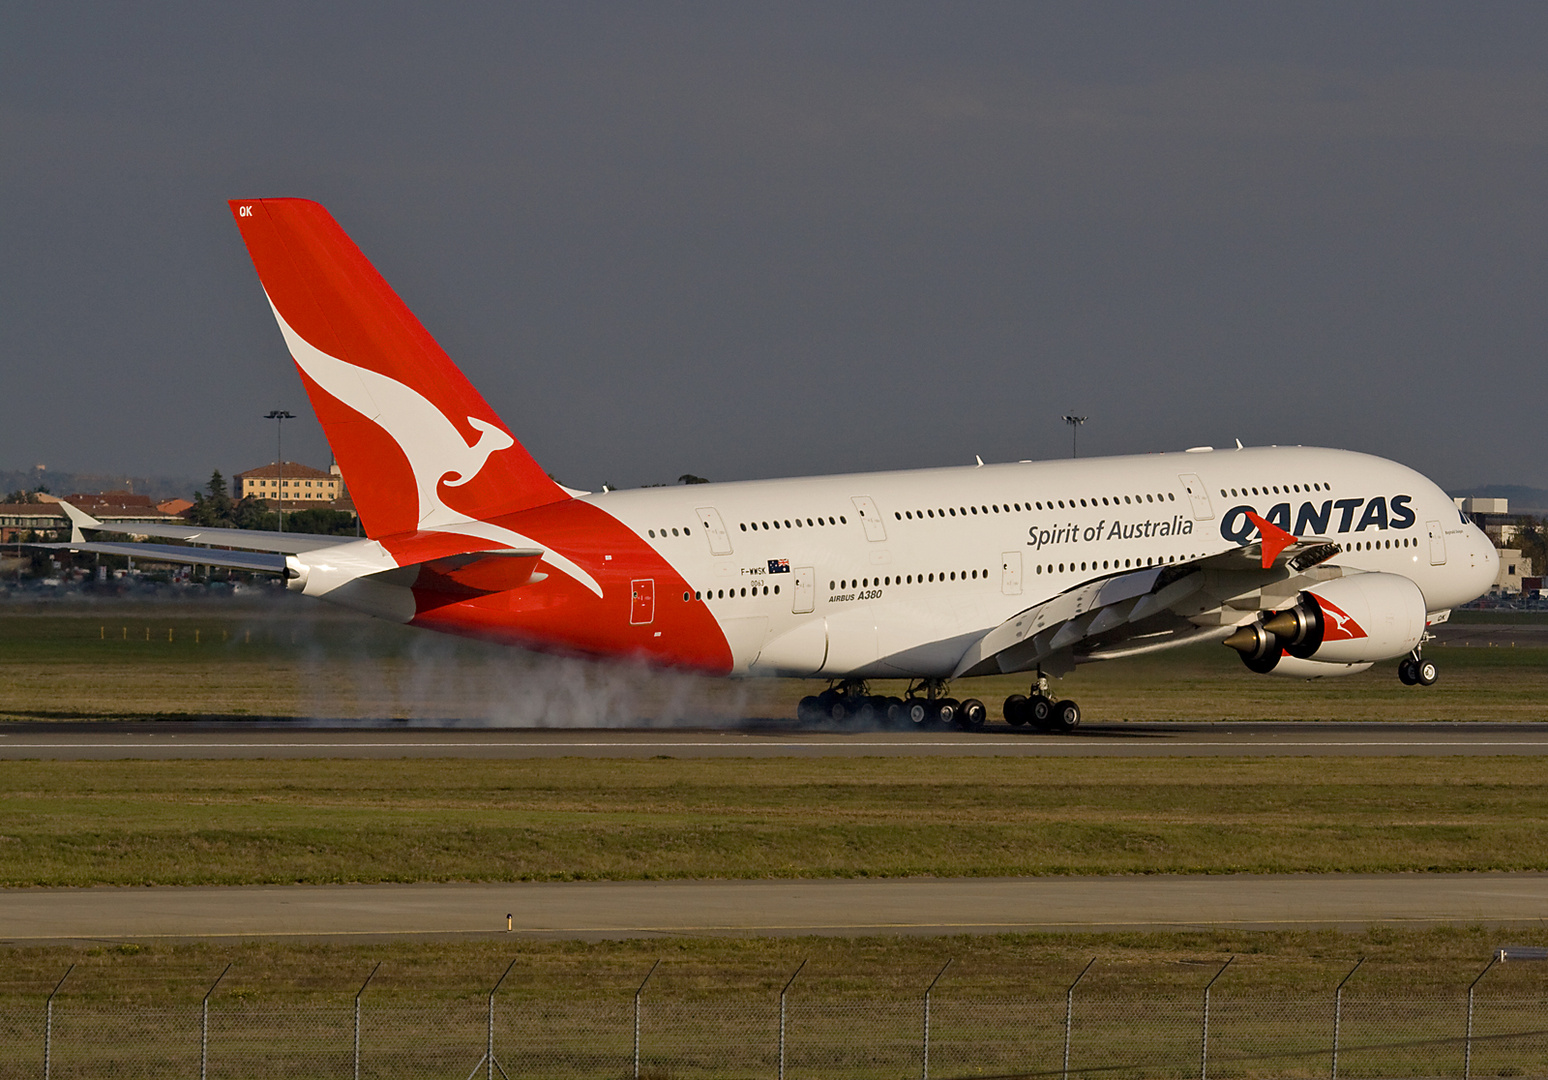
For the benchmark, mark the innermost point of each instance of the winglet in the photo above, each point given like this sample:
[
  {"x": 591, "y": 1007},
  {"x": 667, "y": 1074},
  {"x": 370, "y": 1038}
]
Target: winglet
[
  {"x": 1274, "y": 538},
  {"x": 79, "y": 519}
]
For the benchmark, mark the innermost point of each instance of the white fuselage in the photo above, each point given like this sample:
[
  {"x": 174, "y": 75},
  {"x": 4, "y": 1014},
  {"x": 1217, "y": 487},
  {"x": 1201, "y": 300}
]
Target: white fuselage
[{"x": 908, "y": 569}]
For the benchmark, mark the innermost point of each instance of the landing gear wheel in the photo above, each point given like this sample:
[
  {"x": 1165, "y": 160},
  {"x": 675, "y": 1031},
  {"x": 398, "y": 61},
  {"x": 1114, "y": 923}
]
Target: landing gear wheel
[
  {"x": 1066, "y": 716},
  {"x": 1407, "y": 673},
  {"x": 896, "y": 712},
  {"x": 1426, "y": 672},
  {"x": 918, "y": 711},
  {"x": 946, "y": 710},
  {"x": 808, "y": 711},
  {"x": 1040, "y": 711},
  {"x": 1016, "y": 710},
  {"x": 871, "y": 710},
  {"x": 972, "y": 715}
]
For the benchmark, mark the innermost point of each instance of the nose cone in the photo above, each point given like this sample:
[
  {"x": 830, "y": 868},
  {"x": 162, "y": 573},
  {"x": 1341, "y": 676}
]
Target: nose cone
[{"x": 1486, "y": 567}]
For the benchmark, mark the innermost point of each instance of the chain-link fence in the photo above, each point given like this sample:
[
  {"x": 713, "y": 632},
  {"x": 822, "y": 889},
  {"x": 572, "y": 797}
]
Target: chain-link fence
[{"x": 741, "y": 1035}]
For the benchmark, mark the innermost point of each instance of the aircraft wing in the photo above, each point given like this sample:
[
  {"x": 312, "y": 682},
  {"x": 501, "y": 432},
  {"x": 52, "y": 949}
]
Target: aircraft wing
[
  {"x": 1159, "y": 607},
  {"x": 249, "y": 539}
]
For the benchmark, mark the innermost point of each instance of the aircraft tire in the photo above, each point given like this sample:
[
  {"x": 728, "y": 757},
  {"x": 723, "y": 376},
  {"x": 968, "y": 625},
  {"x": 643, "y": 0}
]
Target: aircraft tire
[
  {"x": 918, "y": 711},
  {"x": 1066, "y": 716},
  {"x": 896, "y": 712},
  {"x": 972, "y": 716},
  {"x": 1016, "y": 710},
  {"x": 1407, "y": 675},
  {"x": 808, "y": 711},
  {"x": 946, "y": 710},
  {"x": 1040, "y": 711},
  {"x": 1425, "y": 672}
]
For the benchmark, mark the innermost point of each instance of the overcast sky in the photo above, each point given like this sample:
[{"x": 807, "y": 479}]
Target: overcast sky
[{"x": 761, "y": 240}]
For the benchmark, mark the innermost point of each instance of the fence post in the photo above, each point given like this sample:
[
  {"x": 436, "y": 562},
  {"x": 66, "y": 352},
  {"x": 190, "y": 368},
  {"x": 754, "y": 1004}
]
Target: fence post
[
  {"x": 926, "y": 1066},
  {"x": 782, "y": 994},
  {"x": 637, "y": 994},
  {"x": 1467, "y": 1053},
  {"x": 1338, "y": 1012},
  {"x": 48, "y": 1023},
  {"x": 1069, "y": 1012},
  {"x": 204, "y": 1024},
  {"x": 357, "y": 1015},
  {"x": 1204, "y": 1042},
  {"x": 489, "y": 1058}
]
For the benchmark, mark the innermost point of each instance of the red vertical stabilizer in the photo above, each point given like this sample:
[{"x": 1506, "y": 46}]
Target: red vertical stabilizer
[{"x": 417, "y": 444}]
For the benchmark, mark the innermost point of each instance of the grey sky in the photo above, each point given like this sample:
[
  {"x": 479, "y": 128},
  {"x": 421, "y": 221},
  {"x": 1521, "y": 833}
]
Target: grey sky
[{"x": 768, "y": 240}]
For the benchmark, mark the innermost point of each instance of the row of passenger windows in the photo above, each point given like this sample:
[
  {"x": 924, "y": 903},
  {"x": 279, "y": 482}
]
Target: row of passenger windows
[
  {"x": 721, "y": 594},
  {"x": 652, "y": 532},
  {"x": 812, "y": 522},
  {"x": 1402, "y": 542},
  {"x": 1277, "y": 489},
  {"x": 1006, "y": 508},
  {"x": 909, "y": 579},
  {"x": 1112, "y": 564}
]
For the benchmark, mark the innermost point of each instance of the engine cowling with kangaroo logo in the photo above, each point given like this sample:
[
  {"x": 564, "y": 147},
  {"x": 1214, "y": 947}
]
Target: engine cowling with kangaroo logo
[{"x": 1336, "y": 627}]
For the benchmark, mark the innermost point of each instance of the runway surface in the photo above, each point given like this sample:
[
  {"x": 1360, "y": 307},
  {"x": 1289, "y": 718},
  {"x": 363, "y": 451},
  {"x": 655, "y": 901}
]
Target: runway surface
[
  {"x": 781, "y": 908},
  {"x": 70, "y": 741}
]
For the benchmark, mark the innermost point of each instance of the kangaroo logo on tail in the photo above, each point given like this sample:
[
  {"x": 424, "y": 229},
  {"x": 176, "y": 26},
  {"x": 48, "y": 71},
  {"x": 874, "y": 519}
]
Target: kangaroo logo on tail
[{"x": 437, "y": 452}]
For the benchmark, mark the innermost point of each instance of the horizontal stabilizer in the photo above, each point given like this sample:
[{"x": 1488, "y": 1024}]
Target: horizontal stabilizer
[
  {"x": 477, "y": 573},
  {"x": 255, "y": 561},
  {"x": 249, "y": 539}
]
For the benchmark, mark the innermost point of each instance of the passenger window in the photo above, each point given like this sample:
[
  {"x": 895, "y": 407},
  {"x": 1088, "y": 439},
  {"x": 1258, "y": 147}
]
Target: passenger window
[
  {"x": 787, "y": 523},
  {"x": 674, "y": 532},
  {"x": 744, "y": 526},
  {"x": 843, "y": 520},
  {"x": 652, "y": 533}
]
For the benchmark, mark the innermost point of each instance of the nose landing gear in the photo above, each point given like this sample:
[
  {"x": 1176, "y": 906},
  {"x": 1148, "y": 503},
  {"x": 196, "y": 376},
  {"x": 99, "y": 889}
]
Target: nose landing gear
[{"x": 1415, "y": 670}]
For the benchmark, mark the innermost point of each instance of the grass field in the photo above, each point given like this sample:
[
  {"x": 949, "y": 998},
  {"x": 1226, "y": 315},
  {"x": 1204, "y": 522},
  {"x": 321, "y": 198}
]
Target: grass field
[
  {"x": 293, "y": 658},
  {"x": 319, "y": 821},
  {"x": 1400, "y": 962}
]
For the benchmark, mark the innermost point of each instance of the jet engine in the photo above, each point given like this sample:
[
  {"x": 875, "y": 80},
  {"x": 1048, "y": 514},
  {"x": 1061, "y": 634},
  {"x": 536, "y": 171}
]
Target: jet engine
[{"x": 1336, "y": 624}]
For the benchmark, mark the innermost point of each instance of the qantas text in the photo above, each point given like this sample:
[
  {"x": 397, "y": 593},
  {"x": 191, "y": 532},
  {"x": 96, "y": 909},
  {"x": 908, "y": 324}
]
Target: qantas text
[{"x": 1333, "y": 515}]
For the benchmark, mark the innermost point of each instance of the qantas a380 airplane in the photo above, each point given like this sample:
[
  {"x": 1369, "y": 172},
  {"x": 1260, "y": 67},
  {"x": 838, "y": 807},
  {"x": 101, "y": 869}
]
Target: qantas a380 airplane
[{"x": 1308, "y": 562}]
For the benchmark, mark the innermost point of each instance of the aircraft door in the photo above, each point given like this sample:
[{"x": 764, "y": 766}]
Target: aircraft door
[
  {"x": 715, "y": 529},
  {"x": 1198, "y": 496},
  {"x": 1437, "y": 543},
  {"x": 870, "y": 517},
  {"x": 642, "y": 601},
  {"x": 803, "y": 597},
  {"x": 1010, "y": 573}
]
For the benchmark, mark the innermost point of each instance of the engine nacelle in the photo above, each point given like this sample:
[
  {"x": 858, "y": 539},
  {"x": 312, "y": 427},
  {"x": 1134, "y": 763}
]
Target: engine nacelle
[
  {"x": 1353, "y": 620},
  {"x": 1293, "y": 667}
]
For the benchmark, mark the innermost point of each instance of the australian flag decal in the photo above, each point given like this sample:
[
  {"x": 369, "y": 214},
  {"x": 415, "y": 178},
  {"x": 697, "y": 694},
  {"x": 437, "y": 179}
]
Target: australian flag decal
[{"x": 779, "y": 566}]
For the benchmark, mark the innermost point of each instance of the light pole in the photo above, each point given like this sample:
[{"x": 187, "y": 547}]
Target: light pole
[
  {"x": 279, "y": 416},
  {"x": 1074, "y": 422}
]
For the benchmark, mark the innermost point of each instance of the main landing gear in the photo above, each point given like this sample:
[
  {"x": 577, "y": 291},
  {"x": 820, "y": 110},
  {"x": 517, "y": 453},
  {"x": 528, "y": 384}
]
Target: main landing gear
[
  {"x": 925, "y": 703},
  {"x": 1039, "y": 710},
  {"x": 1415, "y": 670}
]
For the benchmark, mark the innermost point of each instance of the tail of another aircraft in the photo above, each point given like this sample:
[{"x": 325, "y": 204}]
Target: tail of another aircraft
[{"x": 418, "y": 445}]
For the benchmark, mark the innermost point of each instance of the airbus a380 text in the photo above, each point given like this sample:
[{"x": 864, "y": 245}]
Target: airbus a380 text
[{"x": 1308, "y": 562}]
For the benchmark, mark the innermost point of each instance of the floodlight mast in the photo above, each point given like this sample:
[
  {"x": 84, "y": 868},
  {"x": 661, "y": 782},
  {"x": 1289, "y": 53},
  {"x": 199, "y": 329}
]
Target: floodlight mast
[
  {"x": 279, "y": 416},
  {"x": 1074, "y": 422}
]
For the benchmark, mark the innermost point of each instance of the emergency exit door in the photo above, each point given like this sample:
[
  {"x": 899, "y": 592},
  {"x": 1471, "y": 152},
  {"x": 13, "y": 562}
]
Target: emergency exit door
[
  {"x": 642, "y": 601},
  {"x": 1437, "y": 542},
  {"x": 803, "y": 596},
  {"x": 1010, "y": 573}
]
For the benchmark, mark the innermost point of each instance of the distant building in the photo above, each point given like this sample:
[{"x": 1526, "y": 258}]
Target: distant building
[
  {"x": 119, "y": 507},
  {"x": 291, "y": 482},
  {"x": 1514, "y": 567},
  {"x": 43, "y": 521},
  {"x": 175, "y": 506}
]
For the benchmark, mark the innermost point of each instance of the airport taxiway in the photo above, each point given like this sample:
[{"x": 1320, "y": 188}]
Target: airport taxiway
[
  {"x": 179, "y": 739},
  {"x": 598, "y": 910}
]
